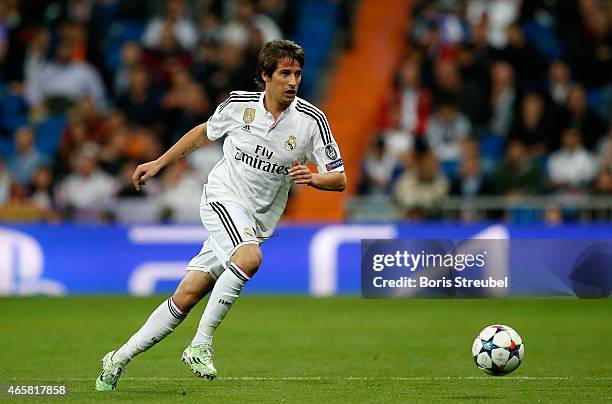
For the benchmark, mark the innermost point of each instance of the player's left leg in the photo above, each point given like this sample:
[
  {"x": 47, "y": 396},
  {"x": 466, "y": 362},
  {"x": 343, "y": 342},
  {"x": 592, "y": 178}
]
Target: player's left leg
[{"x": 194, "y": 286}]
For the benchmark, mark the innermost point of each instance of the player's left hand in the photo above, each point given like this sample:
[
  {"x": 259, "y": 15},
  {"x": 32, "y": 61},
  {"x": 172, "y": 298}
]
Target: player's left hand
[{"x": 300, "y": 174}]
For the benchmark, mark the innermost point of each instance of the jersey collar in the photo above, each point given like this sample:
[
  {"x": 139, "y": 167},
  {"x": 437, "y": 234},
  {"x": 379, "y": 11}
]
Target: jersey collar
[{"x": 285, "y": 112}]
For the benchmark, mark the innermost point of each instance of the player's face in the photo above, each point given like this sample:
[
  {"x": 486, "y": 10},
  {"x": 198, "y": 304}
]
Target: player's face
[{"x": 283, "y": 85}]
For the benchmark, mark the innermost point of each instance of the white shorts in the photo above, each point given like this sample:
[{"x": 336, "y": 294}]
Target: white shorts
[{"x": 229, "y": 226}]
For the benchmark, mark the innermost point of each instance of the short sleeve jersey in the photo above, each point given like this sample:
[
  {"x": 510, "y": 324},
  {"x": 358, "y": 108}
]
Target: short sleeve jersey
[{"x": 258, "y": 152}]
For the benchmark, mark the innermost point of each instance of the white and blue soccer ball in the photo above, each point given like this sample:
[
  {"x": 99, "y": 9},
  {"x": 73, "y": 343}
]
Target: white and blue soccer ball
[{"x": 498, "y": 350}]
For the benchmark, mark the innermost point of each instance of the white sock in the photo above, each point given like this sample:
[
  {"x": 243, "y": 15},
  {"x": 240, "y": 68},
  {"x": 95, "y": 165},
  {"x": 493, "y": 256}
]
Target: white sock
[
  {"x": 224, "y": 294},
  {"x": 160, "y": 323}
]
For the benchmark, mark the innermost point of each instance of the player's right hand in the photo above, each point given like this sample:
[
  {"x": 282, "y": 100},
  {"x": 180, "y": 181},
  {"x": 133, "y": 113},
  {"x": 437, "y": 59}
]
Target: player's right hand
[{"x": 143, "y": 172}]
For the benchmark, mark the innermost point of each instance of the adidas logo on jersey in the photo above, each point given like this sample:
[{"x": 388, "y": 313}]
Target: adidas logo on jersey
[{"x": 246, "y": 128}]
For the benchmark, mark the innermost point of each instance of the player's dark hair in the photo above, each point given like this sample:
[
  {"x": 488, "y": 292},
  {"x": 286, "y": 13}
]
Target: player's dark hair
[{"x": 274, "y": 51}]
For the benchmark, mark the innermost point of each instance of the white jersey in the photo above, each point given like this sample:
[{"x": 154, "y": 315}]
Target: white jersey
[{"x": 259, "y": 151}]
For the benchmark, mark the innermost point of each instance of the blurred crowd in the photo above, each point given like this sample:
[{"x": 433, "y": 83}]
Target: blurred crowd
[
  {"x": 91, "y": 88},
  {"x": 502, "y": 97}
]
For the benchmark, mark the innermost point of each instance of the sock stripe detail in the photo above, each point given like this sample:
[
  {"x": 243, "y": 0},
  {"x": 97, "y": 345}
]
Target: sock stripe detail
[
  {"x": 237, "y": 272},
  {"x": 237, "y": 267},
  {"x": 175, "y": 313},
  {"x": 227, "y": 222}
]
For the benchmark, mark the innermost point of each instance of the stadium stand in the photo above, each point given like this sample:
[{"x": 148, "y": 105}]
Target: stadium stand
[
  {"x": 359, "y": 81},
  {"x": 103, "y": 85},
  {"x": 520, "y": 121},
  {"x": 493, "y": 107}
]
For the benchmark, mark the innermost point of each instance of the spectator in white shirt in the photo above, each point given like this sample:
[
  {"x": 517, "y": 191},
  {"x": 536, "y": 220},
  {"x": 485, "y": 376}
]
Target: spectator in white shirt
[
  {"x": 64, "y": 80},
  {"x": 446, "y": 128},
  {"x": 571, "y": 167},
  {"x": 89, "y": 192},
  {"x": 418, "y": 192},
  {"x": 237, "y": 31},
  {"x": 185, "y": 30},
  {"x": 179, "y": 199},
  {"x": 378, "y": 170}
]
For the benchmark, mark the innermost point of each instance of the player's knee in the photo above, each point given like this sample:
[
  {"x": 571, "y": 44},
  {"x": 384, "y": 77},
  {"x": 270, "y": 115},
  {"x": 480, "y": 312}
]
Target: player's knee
[
  {"x": 248, "y": 258},
  {"x": 186, "y": 298},
  {"x": 250, "y": 263},
  {"x": 185, "y": 301},
  {"x": 194, "y": 286}
]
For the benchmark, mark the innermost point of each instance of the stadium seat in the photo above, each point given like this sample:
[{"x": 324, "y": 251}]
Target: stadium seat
[
  {"x": 544, "y": 38},
  {"x": 315, "y": 33},
  {"x": 600, "y": 101},
  {"x": 492, "y": 146},
  {"x": 6, "y": 147},
  {"x": 119, "y": 33},
  {"x": 13, "y": 112},
  {"x": 450, "y": 168},
  {"x": 49, "y": 134},
  {"x": 524, "y": 215}
]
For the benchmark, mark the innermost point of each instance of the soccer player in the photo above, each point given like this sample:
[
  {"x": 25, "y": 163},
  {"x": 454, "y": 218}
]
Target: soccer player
[{"x": 269, "y": 136}]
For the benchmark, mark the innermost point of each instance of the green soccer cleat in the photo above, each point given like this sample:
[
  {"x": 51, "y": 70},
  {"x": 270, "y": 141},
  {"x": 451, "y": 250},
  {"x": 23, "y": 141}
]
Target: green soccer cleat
[
  {"x": 111, "y": 372},
  {"x": 199, "y": 358}
]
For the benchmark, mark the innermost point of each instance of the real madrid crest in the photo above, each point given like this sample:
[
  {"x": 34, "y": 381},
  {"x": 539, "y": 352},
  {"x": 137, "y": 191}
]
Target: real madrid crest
[
  {"x": 290, "y": 143},
  {"x": 248, "y": 116}
]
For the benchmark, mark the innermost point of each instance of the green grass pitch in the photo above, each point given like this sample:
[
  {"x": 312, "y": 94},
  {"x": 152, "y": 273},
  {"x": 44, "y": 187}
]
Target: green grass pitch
[{"x": 343, "y": 349}]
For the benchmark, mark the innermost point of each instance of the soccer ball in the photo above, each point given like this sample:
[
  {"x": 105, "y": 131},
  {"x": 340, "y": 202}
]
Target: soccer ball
[{"x": 498, "y": 350}]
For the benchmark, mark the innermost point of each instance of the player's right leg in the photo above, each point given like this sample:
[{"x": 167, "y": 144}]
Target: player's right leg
[
  {"x": 199, "y": 354},
  {"x": 194, "y": 286},
  {"x": 233, "y": 241}
]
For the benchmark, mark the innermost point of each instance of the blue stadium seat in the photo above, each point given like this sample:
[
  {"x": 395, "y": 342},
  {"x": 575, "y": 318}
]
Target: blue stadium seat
[
  {"x": 13, "y": 112},
  {"x": 119, "y": 33},
  {"x": 316, "y": 30},
  {"x": 600, "y": 101},
  {"x": 523, "y": 215},
  {"x": 6, "y": 147},
  {"x": 492, "y": 146},
  {"x": 49, "y": 134},
  {"x": 450, "y": 168},
  {"x": 544, "y": 38},
  {"x": 542, "y": 162}
]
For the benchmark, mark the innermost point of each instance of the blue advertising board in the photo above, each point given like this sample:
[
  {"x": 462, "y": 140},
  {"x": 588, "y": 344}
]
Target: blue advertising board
[{"x": 314, "y": 259}]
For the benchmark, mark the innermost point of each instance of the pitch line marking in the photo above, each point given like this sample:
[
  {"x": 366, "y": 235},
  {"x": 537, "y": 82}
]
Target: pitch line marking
[{"x": 320, "y": 378}]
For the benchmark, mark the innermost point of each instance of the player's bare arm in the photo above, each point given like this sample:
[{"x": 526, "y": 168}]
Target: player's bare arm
[
  {"x": 301, "y": 174},
  {"x": 192, "y": 140}
]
